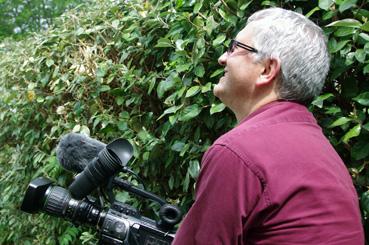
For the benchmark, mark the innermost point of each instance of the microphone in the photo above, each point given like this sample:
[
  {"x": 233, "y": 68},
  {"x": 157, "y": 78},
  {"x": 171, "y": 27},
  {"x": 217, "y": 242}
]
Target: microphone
[{"x": 75, "y": 151}]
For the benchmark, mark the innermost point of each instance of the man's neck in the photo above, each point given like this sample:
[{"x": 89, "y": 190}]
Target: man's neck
[{"x": 251, "y": 106}]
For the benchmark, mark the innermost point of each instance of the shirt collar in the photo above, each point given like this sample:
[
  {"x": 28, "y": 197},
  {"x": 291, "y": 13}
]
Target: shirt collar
[{"x": 266, "y": 107}]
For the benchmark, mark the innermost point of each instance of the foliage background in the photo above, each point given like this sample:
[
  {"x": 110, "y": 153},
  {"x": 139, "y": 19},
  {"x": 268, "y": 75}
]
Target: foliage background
[
  {"x": 20, "y": 17},
  {"x": 145, "y": 71}
]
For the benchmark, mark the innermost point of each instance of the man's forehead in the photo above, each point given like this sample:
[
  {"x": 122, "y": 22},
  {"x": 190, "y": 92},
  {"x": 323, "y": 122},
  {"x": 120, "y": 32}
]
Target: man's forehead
[{"x": 245, "y": 34}]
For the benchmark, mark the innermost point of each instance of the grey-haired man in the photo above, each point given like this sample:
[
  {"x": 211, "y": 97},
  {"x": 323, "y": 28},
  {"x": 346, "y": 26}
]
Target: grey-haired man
[{"x": 274, "y": 178}]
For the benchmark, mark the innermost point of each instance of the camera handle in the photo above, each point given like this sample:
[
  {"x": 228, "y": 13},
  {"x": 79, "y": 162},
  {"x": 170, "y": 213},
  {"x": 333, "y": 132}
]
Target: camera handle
[
  {"x": 169, "y": 214},
  {"x": 125, "y": 185}
]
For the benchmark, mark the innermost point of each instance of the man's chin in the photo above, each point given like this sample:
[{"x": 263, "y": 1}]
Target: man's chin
[{"x": 218, "y": 90}]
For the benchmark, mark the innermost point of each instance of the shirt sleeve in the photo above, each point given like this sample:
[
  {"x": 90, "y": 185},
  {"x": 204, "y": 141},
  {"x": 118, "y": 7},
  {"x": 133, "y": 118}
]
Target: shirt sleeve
[{"x": 226, "y": 192}]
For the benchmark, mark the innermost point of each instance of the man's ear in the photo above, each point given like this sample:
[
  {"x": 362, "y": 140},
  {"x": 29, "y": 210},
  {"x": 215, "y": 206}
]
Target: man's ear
[{"x": 269, "y": 72}]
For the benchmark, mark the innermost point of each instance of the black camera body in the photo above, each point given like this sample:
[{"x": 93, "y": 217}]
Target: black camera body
[{"x": 120, "y": 223}]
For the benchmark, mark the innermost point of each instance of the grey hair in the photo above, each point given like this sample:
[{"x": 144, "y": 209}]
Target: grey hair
[{"x": 300, "y": 46}]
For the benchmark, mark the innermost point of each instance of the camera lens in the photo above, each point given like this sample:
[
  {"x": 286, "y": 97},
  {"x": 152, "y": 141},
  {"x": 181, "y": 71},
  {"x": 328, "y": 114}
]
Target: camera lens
[
  {"x": 58, "y": 202},
  {"x": 57, "y": 199}
]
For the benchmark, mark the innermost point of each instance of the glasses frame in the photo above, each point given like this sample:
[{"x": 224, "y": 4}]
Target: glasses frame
[{"x": 234, "y": 43}]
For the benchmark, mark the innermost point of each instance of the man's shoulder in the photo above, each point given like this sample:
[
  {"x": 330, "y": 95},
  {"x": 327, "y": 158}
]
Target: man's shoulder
[
  {"x": 274, "y": 116},
  {"x": 273, "y": 132}
]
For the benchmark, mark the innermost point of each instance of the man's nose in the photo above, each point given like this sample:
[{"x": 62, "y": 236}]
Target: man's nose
[{"x": 222, "y": 60}]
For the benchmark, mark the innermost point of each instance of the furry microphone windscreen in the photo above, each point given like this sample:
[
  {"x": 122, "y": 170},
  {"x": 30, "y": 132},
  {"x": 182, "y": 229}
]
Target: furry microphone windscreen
[{"x": 75, "y": 151}]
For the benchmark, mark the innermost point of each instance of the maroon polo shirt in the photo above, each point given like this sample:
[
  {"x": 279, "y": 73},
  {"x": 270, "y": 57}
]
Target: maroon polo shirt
[{"x": 273, "y": 179}]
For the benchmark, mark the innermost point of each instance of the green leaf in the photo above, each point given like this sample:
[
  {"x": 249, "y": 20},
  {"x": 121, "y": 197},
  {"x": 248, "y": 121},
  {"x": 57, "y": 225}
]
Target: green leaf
[
  {"x": 211, "y": 25},
  {"x": 364, "y": 201},
  {"x": 206, "y": 87},
  {"x": 217, "y": 72},
  {"x": 366, "y": 69},
  {"x": 199, "y": 22},
  {"x": 166, "y": 85},
  {"x": 184, "y": 150},
  {"x": 122, "y": 196},
  {"x": 190, "y": 112},
  {"x": 353, "y": 132},
  {"x": 334, "y": 47},
  {"x": 104, "y": 88},
  {"x": 164, "y": 43},
  {"x": 347, "y": 4},
  {"x": 360, "y": 55},
  {"x": 179, "y": 3},
  {"x": 224, "y": 15},
  {"x": 362, "y": 99},
  {"x": 115, "y": 24},
  {"x": 363, "y": 13},
  {"x": 325, "y": 4},
  {"x": 49, "y": 62},
  {"x": 151, "y": 86},
  {"x": 80, "y": 31},
  {"x": 183, "y": 67},
  {"x": 197, "y": 7},
  {"x": 177, "y": 146},
  {"x": 349, "y": 58},
  {"x": 311, "y": 12},
  {"x": 200, "y": 43},
  {"x": 332, "y": 110},
  {"x": 179, "y": 44},
  {"x": 173, "y": 119},
  {"x": 366, "y": 126},
  {"x": 85, "y": 130},
  {"x": 171, "y": 182},
  {"x": 200, "y": 70},
  {"x": 365, "y": 26},
  {"x": 364, "y": 36},
  {"x": 219, "y": 40},
  {"x": 366, "y": 48},
  {"x": 360, "y": 150},
  {"x": 170, "y": 110},
  {"x": 194, "y": 168},
  {"x": 269, "y": 3},
  {"x": 346, "y": 23},
  {"x": 344, "y": 31},
  {"x": 192, "y": 91},
  {"x": 215, "y": 108},
  {"x": 186, "y": 182},
  {"x": 122, "y": 126},
  {"x": 101, "y": 71},
  {"x": 245, "y": 5},
  {"x": 328, "y": 15},
  {"x": 320, "y": 99},
  {"x": 339, "y": 122}
]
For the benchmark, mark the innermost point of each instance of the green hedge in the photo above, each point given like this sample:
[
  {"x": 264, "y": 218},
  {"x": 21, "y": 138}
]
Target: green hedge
[{"x": 145, "y": 71}]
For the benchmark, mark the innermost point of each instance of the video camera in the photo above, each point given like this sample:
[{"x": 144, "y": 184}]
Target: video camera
[{"x": 120, "y": 223}]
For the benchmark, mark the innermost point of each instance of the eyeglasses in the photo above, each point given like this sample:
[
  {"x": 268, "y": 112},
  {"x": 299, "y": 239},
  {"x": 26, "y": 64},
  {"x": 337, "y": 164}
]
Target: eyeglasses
[{"x": 235, "y": 44}]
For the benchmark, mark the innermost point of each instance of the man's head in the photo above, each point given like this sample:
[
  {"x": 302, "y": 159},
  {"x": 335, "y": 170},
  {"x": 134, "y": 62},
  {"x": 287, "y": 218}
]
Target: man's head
[{"x": 291, "y": 61}]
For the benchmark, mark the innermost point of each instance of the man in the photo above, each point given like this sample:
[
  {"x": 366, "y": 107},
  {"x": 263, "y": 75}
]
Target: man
[{"x": 274, "y": 178}]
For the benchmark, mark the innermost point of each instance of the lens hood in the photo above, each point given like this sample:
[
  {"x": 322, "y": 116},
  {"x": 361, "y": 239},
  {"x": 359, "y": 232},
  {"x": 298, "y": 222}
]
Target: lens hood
[{"x": 32, "y": 201}]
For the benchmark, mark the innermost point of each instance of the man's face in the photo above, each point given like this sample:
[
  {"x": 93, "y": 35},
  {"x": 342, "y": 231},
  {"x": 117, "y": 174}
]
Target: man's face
[{"x": 241, "y": 72}]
